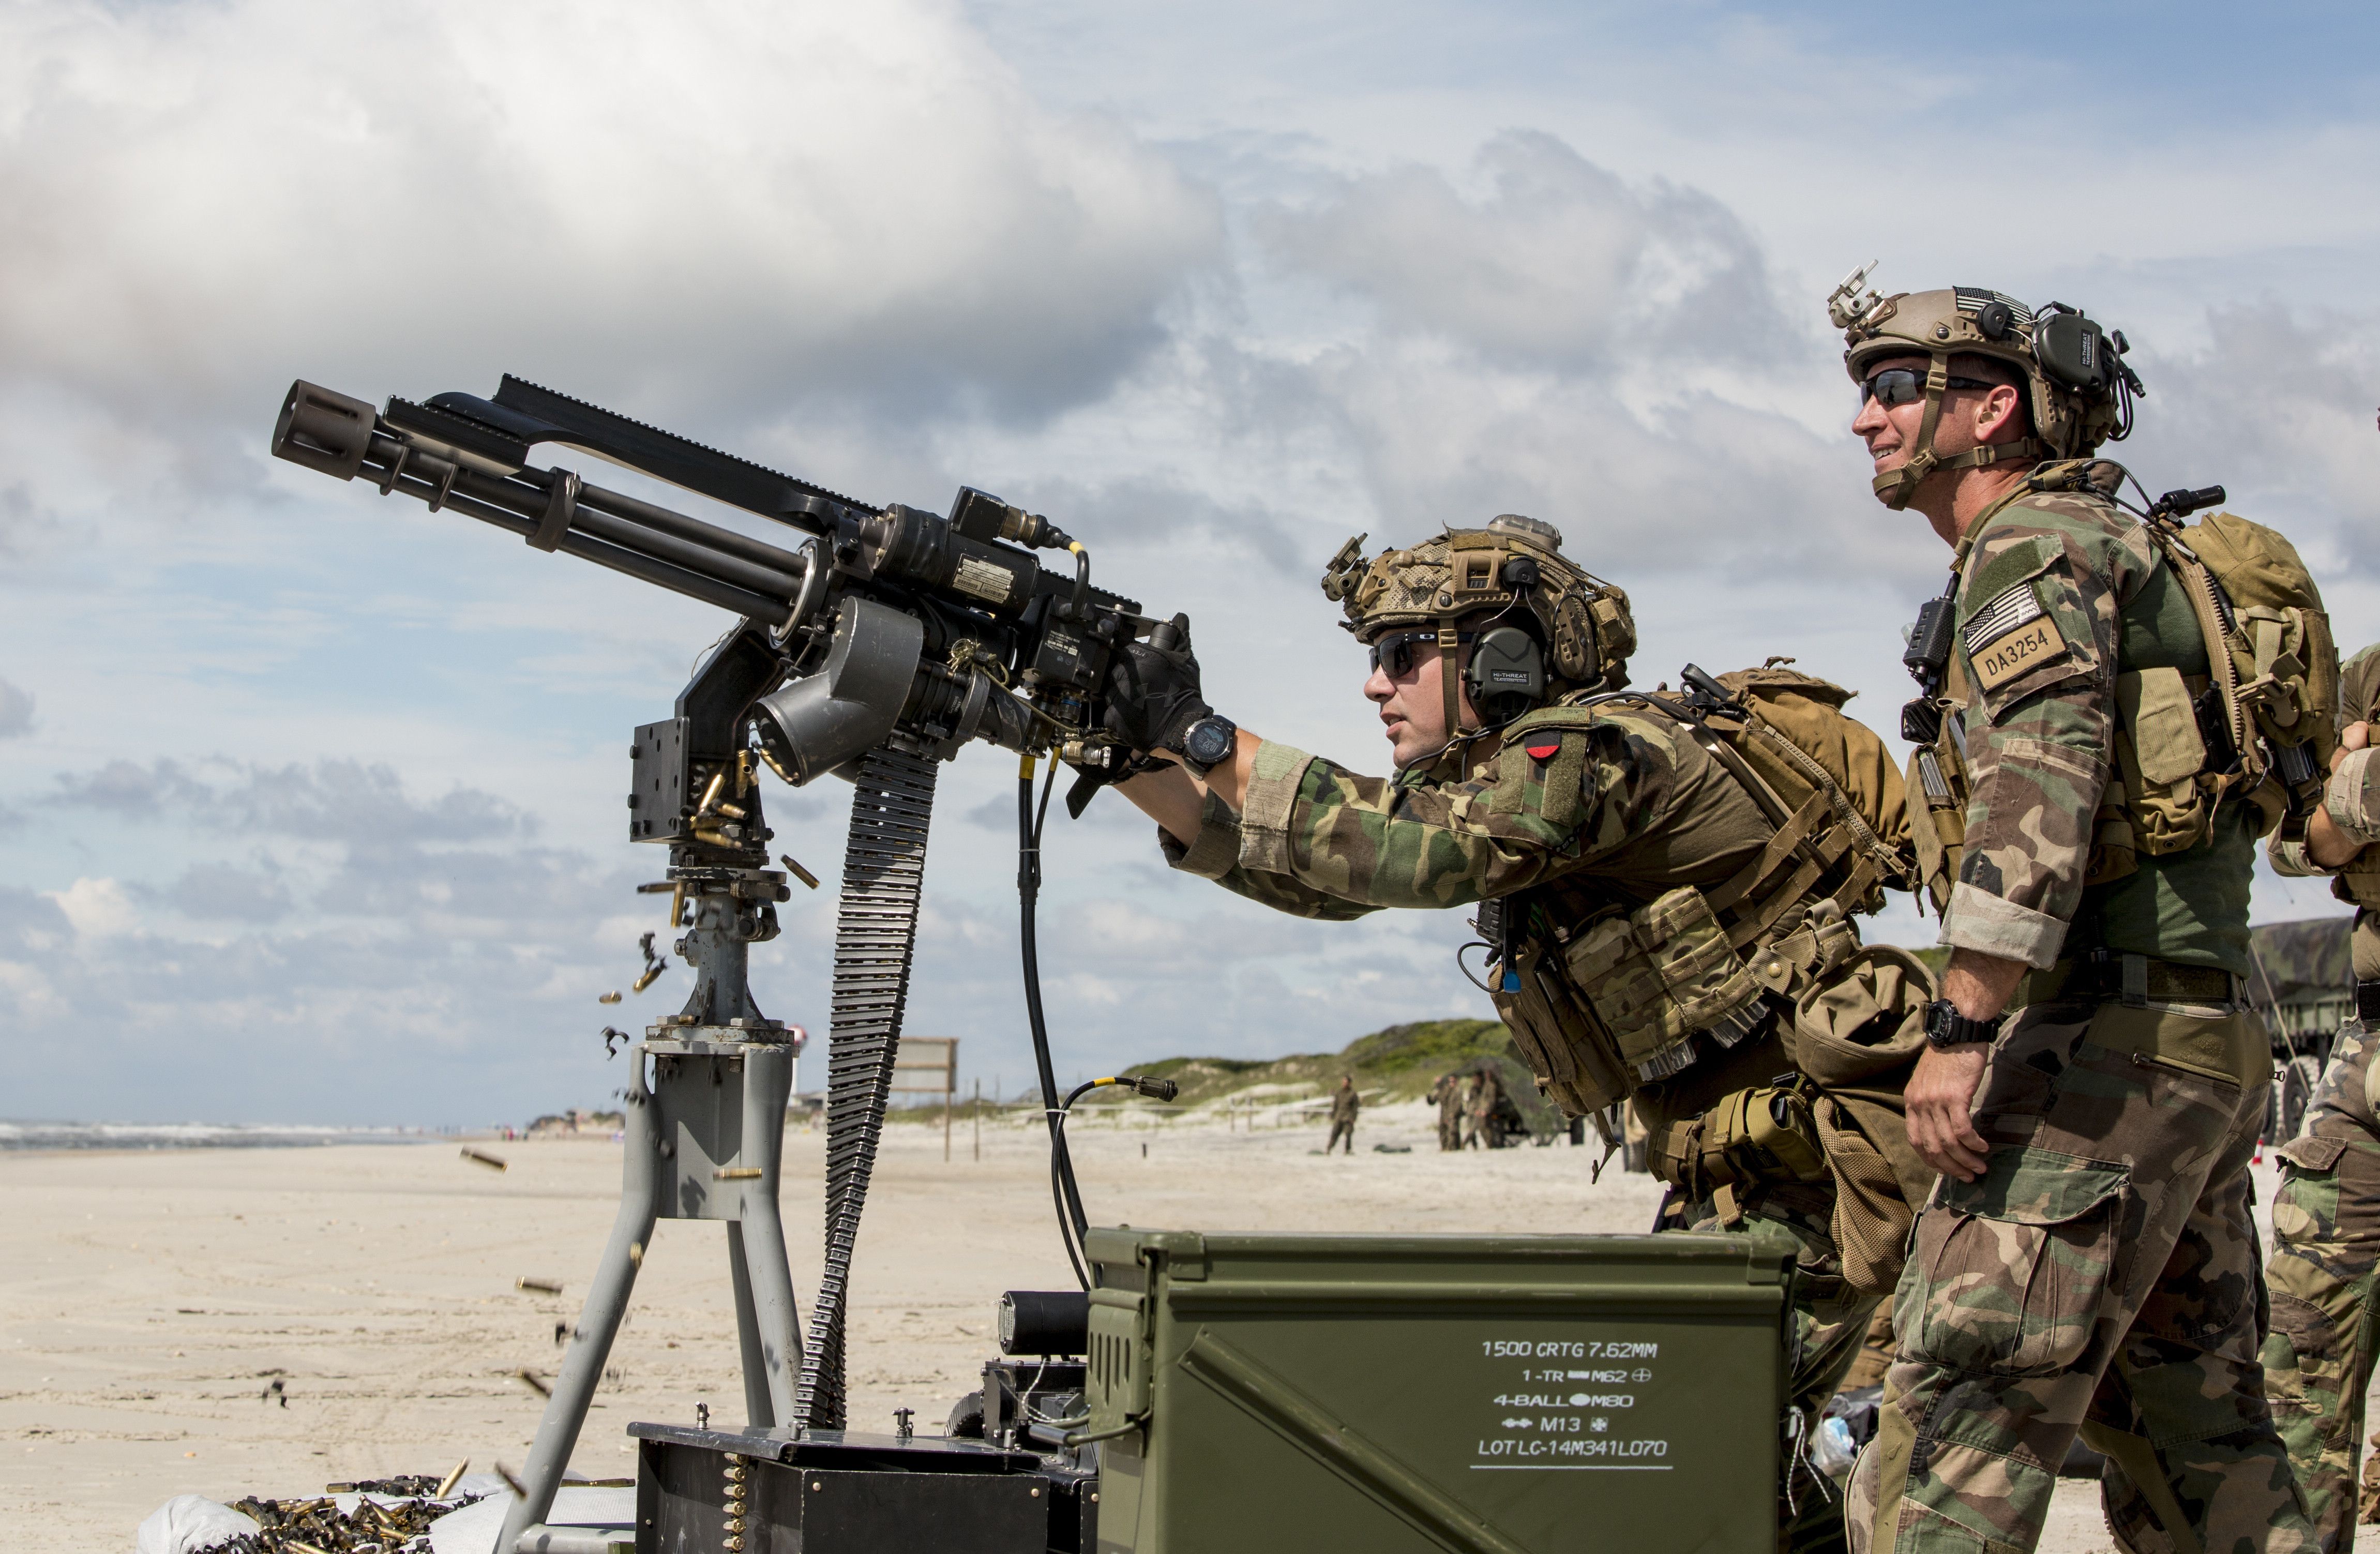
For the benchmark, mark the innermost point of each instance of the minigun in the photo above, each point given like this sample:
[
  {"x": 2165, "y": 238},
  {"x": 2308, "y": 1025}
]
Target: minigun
[
  {"x": 887, "y": 624},
  {"x": 876, "y": 649}
]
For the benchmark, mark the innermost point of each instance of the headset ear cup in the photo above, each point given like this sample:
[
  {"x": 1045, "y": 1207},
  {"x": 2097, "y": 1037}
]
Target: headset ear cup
[{"x": 1506, "y": 676}]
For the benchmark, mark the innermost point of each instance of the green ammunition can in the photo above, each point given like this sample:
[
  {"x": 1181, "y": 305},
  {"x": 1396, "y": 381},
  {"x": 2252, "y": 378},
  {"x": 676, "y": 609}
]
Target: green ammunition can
[{"x": 1496, "y": 1395}]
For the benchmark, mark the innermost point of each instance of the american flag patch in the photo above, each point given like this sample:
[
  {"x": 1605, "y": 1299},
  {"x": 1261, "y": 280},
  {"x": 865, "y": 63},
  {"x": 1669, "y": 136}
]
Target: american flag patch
[
  {"x": 1974, "y": 299},
  {"x": 2007, "y": 611}
]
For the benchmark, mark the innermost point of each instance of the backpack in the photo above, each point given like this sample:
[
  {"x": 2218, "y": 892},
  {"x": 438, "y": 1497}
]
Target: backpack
[{"x": 2275, "y": 664}]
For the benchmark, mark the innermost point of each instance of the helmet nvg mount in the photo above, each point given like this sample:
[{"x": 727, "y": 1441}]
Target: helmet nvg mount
[
  {"x": 2080, "y": 388},
  {"x": 1541, "y": 625}
]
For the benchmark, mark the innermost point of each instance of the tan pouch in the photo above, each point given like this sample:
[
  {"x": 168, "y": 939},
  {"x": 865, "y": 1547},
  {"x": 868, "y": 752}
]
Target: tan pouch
[
  {"x": 1867, "y": 1019},
  {"x": 2155, "y": 705},
  {"x": 2159, "y": 753},
  {"x": 1657, "y": 975},
  {"x": 1764, "y": 1137}
]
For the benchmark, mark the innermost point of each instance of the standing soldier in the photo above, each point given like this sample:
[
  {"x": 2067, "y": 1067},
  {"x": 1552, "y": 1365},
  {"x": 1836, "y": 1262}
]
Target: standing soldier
[
  {"x": 2089, "y": 1257},
  {"x": 1478, "y": 1108},
  {"x": 2327, "y": 1213},
  {"x": 1667, "y": 887},
  {"x": 1344, "y": 1107},
  {"x": 1446, "y": 1093}
]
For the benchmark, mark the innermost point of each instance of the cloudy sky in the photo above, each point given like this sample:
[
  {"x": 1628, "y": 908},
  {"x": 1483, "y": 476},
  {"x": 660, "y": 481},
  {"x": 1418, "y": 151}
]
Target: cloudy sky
[{"x": 310, "y": 800}]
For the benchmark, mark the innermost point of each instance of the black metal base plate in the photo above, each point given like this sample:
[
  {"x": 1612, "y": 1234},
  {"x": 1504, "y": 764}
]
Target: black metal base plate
[{"x": 835, "y": 1492}]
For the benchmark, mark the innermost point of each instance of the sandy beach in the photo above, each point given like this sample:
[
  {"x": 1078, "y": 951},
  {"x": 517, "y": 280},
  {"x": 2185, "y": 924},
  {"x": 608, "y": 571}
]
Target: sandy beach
[{"x": 152, "y": 1298}]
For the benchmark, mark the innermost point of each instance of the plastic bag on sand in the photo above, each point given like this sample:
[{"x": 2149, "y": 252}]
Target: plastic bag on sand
[
  {"x": 188, "y": 1524},
  {"x": 474, "y": 1529}
]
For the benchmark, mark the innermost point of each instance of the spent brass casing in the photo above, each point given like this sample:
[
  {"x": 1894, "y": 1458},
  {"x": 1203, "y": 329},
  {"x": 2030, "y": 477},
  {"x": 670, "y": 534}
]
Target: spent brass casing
[
  {"x": 644, "y": 980},
  {"x": 480, "y": 1157},
  {"x": 541, "y": 1286},
  {"x": 737, "y": 1173},
  {"x": 804, "y": 875}
]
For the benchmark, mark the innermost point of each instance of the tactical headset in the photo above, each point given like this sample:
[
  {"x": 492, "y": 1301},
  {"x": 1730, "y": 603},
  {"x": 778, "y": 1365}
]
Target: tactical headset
[
  {"x": 1549, "y": 625},
  {"x": 2079, "y": 387}
]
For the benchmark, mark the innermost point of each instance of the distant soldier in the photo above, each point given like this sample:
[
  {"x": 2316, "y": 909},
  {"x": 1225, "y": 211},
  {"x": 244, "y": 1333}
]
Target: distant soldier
[
  {"x": 1483, "y": 1123},
  {"x": 1446, "y": 1094},
  {"x": 1344, "y": 1104},
  {"x": 1479, "y": 1106},
  {"x": 1663, "y": 883},
  {"x": 2327, "y": 1213}
]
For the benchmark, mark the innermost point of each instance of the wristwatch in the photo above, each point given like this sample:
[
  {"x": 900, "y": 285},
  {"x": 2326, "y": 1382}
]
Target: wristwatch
[
  {"x": 1209, "y": 743},
  {"x": 1945, "y": 1027}
]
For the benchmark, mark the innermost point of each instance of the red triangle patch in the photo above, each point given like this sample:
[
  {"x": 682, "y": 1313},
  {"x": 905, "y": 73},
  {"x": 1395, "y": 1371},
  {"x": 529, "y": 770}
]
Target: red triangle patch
[{"x": 1544, "y": 752}]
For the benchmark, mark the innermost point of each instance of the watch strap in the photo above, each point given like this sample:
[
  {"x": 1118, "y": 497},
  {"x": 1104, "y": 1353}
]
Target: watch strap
[
  {"x": 1213, "y": 719},
  {"x": 1945, "y": 1027}
]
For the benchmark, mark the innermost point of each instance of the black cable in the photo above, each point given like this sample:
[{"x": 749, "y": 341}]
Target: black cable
[{"x": 1063, "y": 1193}]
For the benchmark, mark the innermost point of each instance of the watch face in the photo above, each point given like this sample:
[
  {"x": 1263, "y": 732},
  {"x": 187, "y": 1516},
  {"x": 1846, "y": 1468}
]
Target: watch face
[{"x": 1208, "y": 742}]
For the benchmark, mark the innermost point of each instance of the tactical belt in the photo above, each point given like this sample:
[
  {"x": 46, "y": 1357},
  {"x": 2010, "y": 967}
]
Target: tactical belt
[
  {"x": 2109, "y": 976},
  {"x": 2367, "y": 1002}
]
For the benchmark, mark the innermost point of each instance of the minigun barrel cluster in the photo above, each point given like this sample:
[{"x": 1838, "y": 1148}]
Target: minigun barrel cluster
[{"x": 885, "y": 621}]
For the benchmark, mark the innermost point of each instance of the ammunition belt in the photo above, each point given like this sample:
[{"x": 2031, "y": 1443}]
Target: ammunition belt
[
  {"x": 2367, "y": 1002},
  {"x": 2110, "y": 976},
  {"x": 875, "y": 933}
]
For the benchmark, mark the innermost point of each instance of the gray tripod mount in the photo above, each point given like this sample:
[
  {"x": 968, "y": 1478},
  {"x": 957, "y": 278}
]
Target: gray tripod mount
[
  {"x": 704, "y": 1133},
  {"x": 703, "y": 1140}
]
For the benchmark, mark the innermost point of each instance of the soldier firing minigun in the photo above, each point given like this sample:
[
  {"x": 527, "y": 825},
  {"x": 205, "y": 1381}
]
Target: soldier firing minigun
[{"x": 1665, "y": 887}]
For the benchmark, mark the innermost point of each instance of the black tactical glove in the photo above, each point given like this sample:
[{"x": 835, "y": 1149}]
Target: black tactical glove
[{"x": 1152, "y": 690}]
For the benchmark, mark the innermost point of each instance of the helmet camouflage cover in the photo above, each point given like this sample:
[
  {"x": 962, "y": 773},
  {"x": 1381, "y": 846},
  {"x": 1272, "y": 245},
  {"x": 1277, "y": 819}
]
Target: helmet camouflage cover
[
  {"x": 1513, "y": 565},
  {"x": 2078, "y": 387}
]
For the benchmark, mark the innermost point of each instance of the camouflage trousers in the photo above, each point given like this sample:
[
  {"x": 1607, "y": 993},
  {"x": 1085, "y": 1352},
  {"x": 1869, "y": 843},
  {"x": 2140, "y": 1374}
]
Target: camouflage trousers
[
  {"x": 2326, "y": 1248},
  {"x": 1829, "y": 1325},
  {"x": 2100, "y": 1275}
]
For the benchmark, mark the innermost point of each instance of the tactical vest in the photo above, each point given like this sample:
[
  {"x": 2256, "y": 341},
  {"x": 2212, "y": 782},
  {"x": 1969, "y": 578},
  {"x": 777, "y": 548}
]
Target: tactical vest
[
  {"x": 1603, "y": 995},
  {"x": 2258, "y": 726}
]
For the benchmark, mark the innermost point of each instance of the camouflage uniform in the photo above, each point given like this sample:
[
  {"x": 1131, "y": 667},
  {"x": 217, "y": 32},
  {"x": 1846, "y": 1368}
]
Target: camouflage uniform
[
  {"x": 1648, "y": 809},
  {"x": 1344, "y": 1107},
  {"x": 2319, "y": 1355},
  {"x": 1466, "y": 1112},
  {"x": 2101, "y": 1272},
  {"x": 1448, "y": 1093}
]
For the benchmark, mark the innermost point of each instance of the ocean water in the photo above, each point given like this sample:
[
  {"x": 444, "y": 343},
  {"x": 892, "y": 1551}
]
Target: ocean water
[{"x": 190, "y": 1135}]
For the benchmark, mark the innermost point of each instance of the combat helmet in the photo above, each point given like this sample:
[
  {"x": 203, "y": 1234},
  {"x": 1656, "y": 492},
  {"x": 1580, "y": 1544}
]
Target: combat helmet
[
  {"x": 2081, "y": 390},
  {"x": 1551, "y": 627}
]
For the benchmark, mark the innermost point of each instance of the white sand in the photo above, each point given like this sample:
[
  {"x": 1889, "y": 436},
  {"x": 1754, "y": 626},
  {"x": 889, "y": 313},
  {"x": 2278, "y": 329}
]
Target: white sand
[{"x": 148, "y": 1299}]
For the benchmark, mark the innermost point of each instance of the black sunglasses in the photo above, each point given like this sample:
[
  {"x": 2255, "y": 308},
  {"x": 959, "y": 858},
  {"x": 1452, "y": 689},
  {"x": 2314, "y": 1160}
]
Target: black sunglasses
[
  {"x": 1394, "y": 650},
  {"x": 1899, "y": 385}
]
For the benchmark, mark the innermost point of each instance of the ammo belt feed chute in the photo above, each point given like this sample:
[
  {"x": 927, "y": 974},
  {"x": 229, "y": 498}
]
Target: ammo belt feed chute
[{"x": 879, "y": 646}]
